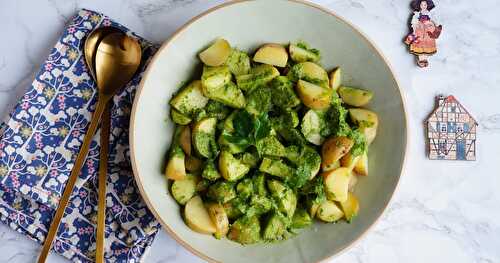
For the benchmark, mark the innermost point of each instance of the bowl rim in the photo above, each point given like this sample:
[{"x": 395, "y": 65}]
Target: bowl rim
[{"x": 165, "y": 44}]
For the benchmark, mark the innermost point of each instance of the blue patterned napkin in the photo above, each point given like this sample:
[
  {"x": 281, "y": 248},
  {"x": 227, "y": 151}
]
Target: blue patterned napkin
[{"x": 39, "y": 142}]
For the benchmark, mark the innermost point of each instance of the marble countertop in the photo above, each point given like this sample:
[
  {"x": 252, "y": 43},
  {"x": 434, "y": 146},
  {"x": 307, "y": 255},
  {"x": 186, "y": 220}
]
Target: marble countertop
[{"x": 443, "y": 211}]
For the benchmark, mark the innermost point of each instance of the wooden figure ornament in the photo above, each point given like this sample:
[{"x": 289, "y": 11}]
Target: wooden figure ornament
[
  {"x": 424, "y": 32},
  {"x": 451, "y": 131}
]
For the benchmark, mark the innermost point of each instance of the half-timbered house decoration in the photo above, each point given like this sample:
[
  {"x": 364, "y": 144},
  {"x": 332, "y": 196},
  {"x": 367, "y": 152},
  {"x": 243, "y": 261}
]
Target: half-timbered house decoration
[{"x": 451, "y": 131}]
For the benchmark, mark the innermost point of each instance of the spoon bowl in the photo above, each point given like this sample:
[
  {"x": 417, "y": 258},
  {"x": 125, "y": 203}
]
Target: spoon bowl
[
  {"x": 91, "y": 44},
  {"x": 116, "y": 60}
]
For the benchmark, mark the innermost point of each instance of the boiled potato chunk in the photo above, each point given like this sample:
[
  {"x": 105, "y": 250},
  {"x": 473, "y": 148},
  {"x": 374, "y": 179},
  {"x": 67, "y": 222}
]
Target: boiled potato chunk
[
  {"x": 204, "y": 137},
  {"x": 367, "y": 121},
  {"x": 184, "y": 190},
  {"x": 193, "y": 164},
  {"x": 333, "y": 149},
  {"x": 197, "y": 216},
  {"x": 231, "y": 168},
  {"x": 220, "y": 219},
  {"x": 335, "y": 78},
  {"x": 350, "y": 207},
  {"x": 353, "y": 180},
  {"x": 310, "y": 72},
  {"x": 329, "y": 212},
  {"x": 189, "y": 99},
  {"x": 312, "y": 208},
  {"x": 361, "y": 166},
  {"x": 271, "y": 54},
  {"x": 217, "y": 53},
  {"x": 314, "y": 96},
  {"x": 349, "y": 161},
  {"x": 301, "y": 54},
  {"x": 354, "y": 96},
  {"x": 185, "y": 140},
  {"x": 176, "y": 169},
  {"x": 337, "y": 184}
]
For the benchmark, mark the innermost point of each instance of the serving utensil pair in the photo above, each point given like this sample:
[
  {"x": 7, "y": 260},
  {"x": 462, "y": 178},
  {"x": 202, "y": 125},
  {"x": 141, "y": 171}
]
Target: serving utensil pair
[{"x": 112, "y": 58}]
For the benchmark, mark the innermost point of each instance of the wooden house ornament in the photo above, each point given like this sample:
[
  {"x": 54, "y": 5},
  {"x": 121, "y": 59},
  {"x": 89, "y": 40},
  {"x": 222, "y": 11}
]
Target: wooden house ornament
[{"x": 451, "y": 131}]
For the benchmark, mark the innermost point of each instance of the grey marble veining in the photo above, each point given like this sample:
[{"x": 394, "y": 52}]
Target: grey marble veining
[{"x": 442, "y": 211}]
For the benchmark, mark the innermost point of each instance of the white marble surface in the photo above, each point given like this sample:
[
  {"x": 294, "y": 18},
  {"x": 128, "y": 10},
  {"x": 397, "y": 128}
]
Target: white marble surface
[{"x": 442, "y": 211}]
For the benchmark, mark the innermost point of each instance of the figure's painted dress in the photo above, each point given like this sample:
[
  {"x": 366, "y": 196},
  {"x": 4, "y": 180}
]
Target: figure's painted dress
[{"x": 423, "y": 28}]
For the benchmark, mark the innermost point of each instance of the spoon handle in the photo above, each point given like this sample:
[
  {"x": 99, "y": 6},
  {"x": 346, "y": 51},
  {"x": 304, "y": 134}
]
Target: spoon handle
[
  {"x": 63, "y": 202},
  {"x": 103, "y": 171}
]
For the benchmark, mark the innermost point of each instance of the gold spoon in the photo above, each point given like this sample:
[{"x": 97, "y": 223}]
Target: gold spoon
[
  {"x": 90, "y": 50},
  {"x": 116, "y": 61},
  {"x": 91, "y": 44}
]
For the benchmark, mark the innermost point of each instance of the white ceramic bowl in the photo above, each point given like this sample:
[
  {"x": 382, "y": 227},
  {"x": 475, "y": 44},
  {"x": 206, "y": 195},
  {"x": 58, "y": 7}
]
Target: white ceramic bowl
[{"x": 246, "y": 25}]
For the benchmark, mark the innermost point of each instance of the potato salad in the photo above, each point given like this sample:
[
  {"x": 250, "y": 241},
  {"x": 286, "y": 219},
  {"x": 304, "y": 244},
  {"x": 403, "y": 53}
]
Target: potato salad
[{"x": 265, "y": 143}]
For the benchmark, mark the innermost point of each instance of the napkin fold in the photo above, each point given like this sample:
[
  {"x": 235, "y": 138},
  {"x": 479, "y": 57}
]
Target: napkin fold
[{"x": 39, "y": 142}]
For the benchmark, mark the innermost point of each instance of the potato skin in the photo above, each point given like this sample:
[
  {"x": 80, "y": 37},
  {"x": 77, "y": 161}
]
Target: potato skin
[
  {"x": 176, "y": 168},
  {"x": 367, "y": 121},
  {"x": 333, "y": 149},
  {"x": 185, "y": 140},
  {"x": 220, "y": 219}
]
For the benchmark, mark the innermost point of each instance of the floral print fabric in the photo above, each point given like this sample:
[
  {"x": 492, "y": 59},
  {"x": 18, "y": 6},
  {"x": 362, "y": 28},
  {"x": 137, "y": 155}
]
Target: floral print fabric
[{"x": 39, "y": 142}]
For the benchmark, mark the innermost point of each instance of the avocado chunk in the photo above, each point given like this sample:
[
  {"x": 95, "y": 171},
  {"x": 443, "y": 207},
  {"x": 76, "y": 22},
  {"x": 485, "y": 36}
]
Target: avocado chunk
[
  {"x": 189, "y": 99},
  {"x": 217, "y": 85},
  {"x": 258, "y": 75},
  {"x": 213, "y": 78},
  {"x": 245, "y": 230},
  {"x": 251, "y": 159},
  {"x": 203, "y": 137},
  {"x": 238, "y": 62},
  {"x": 210, "y": 172},
  {"x": 275, "y": 228},
  {"x": 259, "y": 184},
  {"x": 183, "y": 190},
  {"x": 259, "y": 205},
  {"x": 231, "y": 168},
  {"x": 288, "y": 119},
  {"x": 179, "y": 118},
  {"x": 284, "y": 197},
  {"x": 282, "y": 93},
  {"x": 221, "y": 192},
  {"x": 270, "y": 146},
  {"x": 245, "y": 188},
  {"x": 275, "y": 167},
  {"x": 228, "y": 146},
  {"x": 301, "y": 219},
  {"x": 259, "y": 100},
  {"x": 235, "y": 208},
  {"x": 217, "y": 109},
  {"x": 300, "y": 52}
]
